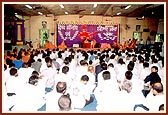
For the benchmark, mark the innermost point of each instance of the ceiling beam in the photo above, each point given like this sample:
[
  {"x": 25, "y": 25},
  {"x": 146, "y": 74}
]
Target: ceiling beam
[
  {"x": 139, "y": 11},
  {"x": 108, "y": 10}
]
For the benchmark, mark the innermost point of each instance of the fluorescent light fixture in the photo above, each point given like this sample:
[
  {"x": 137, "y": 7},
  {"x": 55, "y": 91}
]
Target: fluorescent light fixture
[
  {"x": 127, "y": 7},
  {"x": 118, "y": 13},
  {"x": 28, "y": 6},
  {"x": 40, "y": 13},
  {"x": 62, "y": 6},
  {"x": 66, "y": 12},
  {"x": 92, "y": 12},
  {"x": 95, "y": 5}
]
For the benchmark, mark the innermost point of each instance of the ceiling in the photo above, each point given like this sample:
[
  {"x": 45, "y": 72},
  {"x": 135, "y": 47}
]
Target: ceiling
[{"x": 104, "y": 9}]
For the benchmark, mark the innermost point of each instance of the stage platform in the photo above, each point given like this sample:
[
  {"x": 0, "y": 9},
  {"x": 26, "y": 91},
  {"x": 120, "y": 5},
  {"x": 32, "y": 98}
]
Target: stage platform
[
  {"x": 84, "y": 49},
  {"x": 19, "y": 47}
]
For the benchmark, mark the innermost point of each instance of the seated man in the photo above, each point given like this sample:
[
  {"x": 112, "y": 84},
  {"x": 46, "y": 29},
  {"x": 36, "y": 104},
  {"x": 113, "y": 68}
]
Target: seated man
[
  {"x": 49, "y": 45},
  {"x": 86, "y": 43},
  {"x": 62, "y": 45}
]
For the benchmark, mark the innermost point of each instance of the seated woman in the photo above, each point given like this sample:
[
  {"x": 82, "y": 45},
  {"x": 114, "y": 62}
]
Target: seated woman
[{"x": 62, "y": 45}]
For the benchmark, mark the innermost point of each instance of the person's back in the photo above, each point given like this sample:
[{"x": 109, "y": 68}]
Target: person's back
[
  {"x": 30, "y": 97},
  {"x": 81, "y": 93},
  {"x": 18, "y": 63},
  {"x": 120, "y": 70},
  {"x": 37, "y": 65},
  {"x": 49, "y": 73},
  {"x": 26, "y": 57},
  {"x": 119, "y": 101},
  {"x": 25, "y": 72},
  {"x": 81, "y": 70},
  {"x": 156, "y": 98},
  {"x": 53, "y": 96},
  {"x": 145, "y": 71},
  {"x": 13, "y": 83}
]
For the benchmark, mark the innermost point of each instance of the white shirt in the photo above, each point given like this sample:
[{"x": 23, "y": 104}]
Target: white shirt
[
  {"x": 144, "y": 72},
  {"x": 153, "y": 102},
  {"x": 80, "y": 71},
  {"x": 80, "y": 93},
  {"x": 50, "y": 74},
  {"x": 52, "y": 101},
  {"x": 60, "y": 61},
  {"x": 13, "y": 84},
  {"x": 61, "y": 77},
  {"x": 123, "y": 102},
  {"x": 161, "y": 73},
  {"x": 30, "y": 98},
  {"x": 120, "y": 71},
  {"x": 25, "y": 73}
]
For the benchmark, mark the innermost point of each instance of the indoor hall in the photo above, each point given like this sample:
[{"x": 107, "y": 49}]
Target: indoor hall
[{"x": 80, "y": 57}]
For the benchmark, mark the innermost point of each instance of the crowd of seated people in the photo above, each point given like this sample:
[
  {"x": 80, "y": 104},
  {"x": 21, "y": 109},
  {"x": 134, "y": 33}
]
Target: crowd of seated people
[{"x": 70, "y": 79}]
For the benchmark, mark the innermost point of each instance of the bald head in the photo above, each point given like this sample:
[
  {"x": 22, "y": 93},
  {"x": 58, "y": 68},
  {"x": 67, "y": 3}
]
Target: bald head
[{"x": 158, "y": 87}]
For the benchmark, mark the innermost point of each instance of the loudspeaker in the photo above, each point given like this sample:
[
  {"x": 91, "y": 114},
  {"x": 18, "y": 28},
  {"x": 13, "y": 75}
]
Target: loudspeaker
[{"x": 146, "y": 30}]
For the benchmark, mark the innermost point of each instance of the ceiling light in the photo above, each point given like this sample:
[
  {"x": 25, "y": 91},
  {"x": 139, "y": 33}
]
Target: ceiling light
[
  {"x": 127, "y": 7},
  {"x": 15, "y": 13},
  {"x": 143, "y": 17},
  {"x": 118, "y": 13},
  {"x": 95, "y": 5},
  {"x": 92, "y": 12},
  {"x": 62, "y": 6},
  {"x": 28, "y": 6},
  {"x": 152, "y": 12},
  {"x": 66, "y": 12},
  {"x": 40, "y": 13}
]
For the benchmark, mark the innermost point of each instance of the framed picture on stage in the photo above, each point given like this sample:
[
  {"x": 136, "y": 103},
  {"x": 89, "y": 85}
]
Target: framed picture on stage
[
  {"x": 43, "y": 35},
  {"x": 138, "y": 27},
  {"x": 137, "y": 35}
]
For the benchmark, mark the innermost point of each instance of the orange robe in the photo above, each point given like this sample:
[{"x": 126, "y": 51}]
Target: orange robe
[
  {"x": 49, "y": 45},
  {"x": 62, "y": 45}
]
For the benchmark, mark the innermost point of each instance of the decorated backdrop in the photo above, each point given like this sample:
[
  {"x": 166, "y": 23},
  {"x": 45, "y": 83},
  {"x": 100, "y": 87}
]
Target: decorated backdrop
[{"x": 75, "y": 34}]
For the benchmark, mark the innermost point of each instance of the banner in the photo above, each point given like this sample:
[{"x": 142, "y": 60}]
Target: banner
[{"x": 75, "y": 34}]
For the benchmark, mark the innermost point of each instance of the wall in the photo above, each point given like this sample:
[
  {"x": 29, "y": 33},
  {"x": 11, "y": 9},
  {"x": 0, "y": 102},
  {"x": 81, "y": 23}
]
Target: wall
[
  {"x": 33, "y": 24},
  {"x": 160, "y": 29}
]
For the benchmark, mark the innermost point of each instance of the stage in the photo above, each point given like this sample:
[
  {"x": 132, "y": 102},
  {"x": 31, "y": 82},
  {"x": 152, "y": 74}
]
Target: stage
[{"x": 19, "y": 47}]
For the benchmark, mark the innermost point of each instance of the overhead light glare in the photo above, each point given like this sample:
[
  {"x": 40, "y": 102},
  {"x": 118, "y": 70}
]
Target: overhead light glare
[
  {"x": 95, "y": 5},
  {"x": 28, "y": 6},
  {"x": 127, "y": 7},
  {"x": 66, "y": 12},
  {"x": 92, "y": 12},
  {"x": 40, "y": 13},
  {"x": 15, "y": 13},
  {"x": 118, "y": 13},
  {"x": 62, "y": 6}
]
